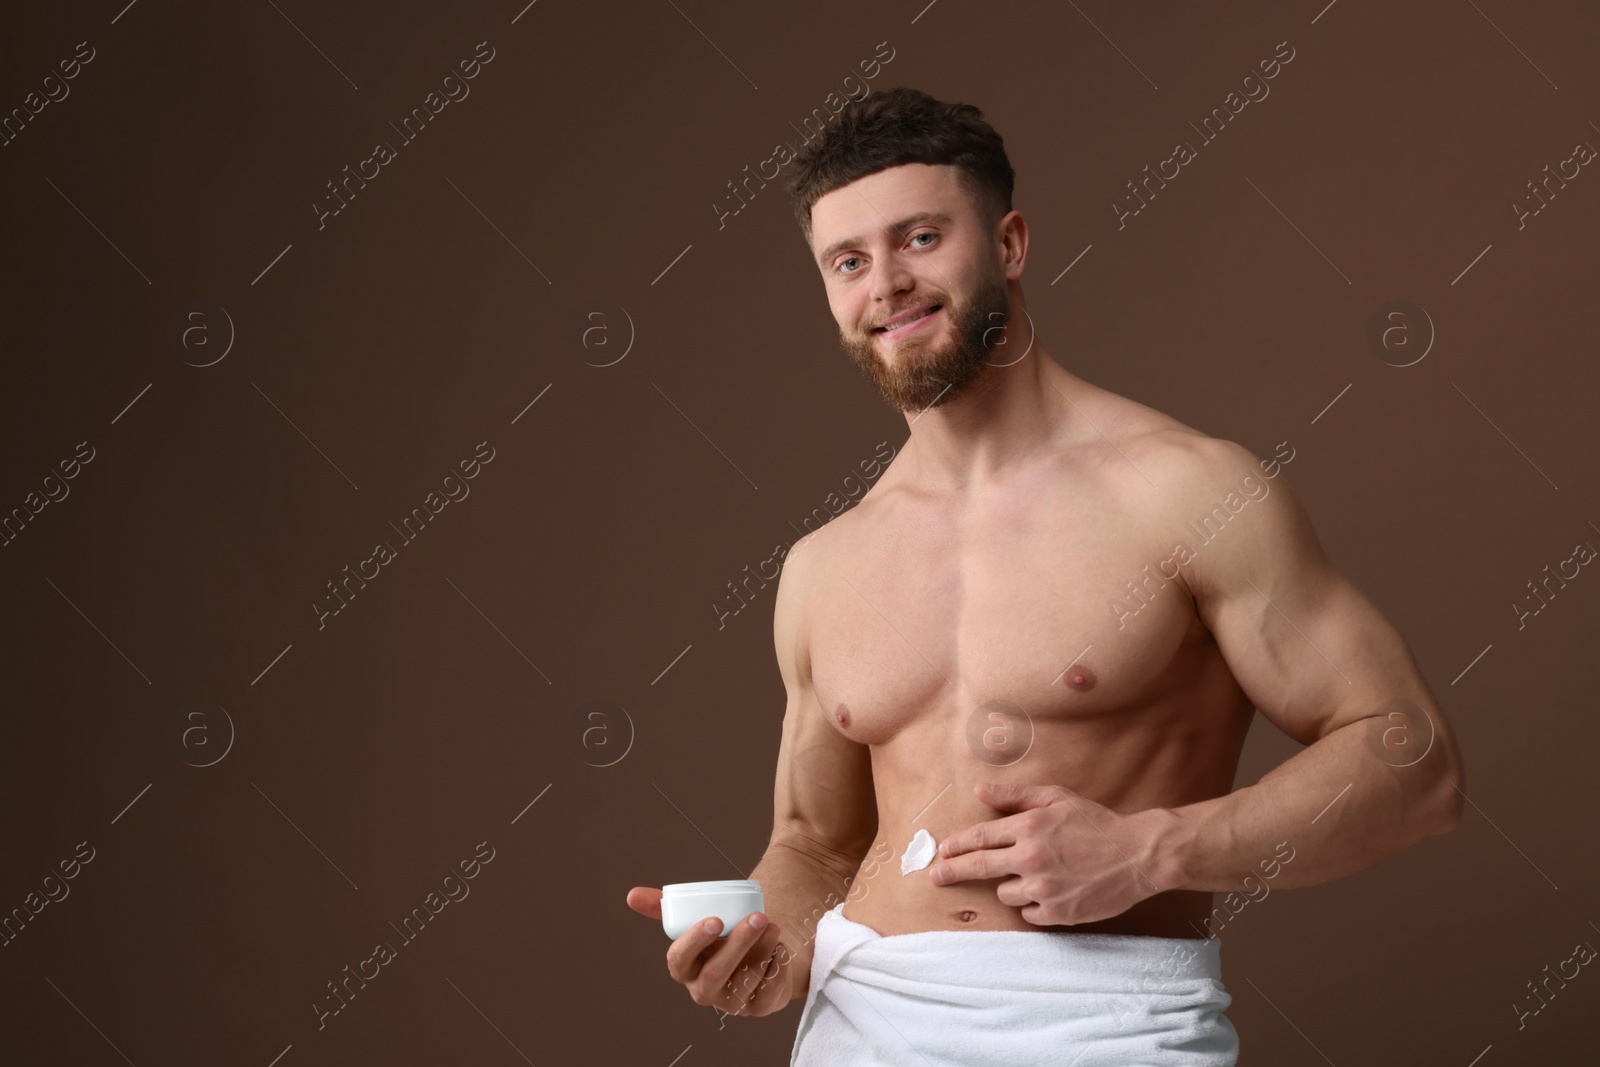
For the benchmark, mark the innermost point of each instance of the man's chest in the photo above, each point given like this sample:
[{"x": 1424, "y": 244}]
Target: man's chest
[{"x": 1040, "y": 612}]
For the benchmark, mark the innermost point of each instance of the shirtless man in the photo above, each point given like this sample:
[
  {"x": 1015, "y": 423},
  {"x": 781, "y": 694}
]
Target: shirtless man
[{"x": 1044, "y": 632}]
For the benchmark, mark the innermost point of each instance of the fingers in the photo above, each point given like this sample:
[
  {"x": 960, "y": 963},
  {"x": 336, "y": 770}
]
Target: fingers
[
  {"x": 684, "y": 955},
  {"x": 999, "y": 833},
  {"x": 743, "y": 948},
  {"x": 702, "y": 961},
  {"x": 1010, "y": 892},
  {"x": 646, "y": 900},
  {"x": 976, "y": 866},
  {"x": 758, "y": 983}
]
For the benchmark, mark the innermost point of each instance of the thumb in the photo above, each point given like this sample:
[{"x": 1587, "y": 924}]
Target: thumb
[{"x": 646, "y": 900}]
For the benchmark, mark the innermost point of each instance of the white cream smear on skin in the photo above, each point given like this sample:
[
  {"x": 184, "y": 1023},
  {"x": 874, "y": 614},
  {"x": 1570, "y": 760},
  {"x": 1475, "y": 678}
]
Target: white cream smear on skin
[{"x": 919, "y": 853}]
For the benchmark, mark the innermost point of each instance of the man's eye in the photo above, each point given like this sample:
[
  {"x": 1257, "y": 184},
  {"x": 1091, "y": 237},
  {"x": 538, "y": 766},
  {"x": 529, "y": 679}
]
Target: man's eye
[
  {"x": 926, "y": 234},
  {"x": 848, "y": 259}
]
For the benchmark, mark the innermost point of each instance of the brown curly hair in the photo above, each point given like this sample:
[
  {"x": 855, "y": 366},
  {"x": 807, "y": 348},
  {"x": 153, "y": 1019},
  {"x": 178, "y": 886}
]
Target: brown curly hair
[{"x": 895, "y": 127}]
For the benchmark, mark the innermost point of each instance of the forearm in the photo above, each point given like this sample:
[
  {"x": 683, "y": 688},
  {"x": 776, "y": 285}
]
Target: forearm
[
  {"x": 1337, "y": 804},
  {"x": 800, "y": 884}
]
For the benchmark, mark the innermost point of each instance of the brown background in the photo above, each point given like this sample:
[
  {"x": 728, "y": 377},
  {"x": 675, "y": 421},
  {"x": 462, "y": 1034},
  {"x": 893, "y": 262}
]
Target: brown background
[{"x": 451, "y": 693}]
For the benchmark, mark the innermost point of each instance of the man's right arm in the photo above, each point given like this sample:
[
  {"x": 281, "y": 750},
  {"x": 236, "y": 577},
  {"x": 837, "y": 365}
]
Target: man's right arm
[{"x": 825, "y": 813}]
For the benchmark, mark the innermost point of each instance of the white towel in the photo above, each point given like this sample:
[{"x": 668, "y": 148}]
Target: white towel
[{"x": 943, "y": 998}]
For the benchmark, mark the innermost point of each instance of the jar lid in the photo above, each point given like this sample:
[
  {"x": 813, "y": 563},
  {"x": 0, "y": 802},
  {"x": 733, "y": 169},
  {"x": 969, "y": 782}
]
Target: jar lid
[{"x": 736, "y": 885}]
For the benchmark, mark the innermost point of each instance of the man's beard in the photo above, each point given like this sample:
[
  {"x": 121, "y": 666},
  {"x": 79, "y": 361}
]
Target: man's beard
[{"x": 922, "y": 375}]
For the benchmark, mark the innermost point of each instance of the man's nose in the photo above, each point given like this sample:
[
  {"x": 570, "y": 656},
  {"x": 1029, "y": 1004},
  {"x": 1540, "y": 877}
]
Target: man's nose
[{"x": 892, "y": 276}]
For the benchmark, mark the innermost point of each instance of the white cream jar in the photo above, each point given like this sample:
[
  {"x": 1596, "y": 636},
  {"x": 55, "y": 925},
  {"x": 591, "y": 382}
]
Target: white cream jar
[{"x": 685, "y": 903}]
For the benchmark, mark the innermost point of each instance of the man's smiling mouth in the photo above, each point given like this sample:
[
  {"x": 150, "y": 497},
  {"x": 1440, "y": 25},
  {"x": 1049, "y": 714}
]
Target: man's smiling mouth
[{"x": 908, "y": 320}]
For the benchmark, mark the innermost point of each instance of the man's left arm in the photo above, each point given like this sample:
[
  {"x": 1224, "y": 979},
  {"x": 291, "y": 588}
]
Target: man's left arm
[{"x": 1381, "y": 769}]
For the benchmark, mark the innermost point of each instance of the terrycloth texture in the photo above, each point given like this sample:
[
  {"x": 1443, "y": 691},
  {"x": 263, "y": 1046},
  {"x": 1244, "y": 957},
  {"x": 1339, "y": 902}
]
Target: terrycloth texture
[{"x": 960, "y": 998}]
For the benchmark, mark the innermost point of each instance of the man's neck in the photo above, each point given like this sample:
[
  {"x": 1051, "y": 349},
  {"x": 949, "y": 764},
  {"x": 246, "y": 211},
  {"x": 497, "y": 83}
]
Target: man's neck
[{"x": 1006, "y": 416}]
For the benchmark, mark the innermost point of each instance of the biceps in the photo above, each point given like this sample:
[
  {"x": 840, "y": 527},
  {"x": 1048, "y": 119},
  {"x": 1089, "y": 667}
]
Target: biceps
[{"x": 1313, "y": 655}]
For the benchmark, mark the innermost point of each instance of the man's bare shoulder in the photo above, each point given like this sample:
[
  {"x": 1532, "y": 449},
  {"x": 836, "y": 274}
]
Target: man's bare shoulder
[
  {"x": 1189, "y": 475},
  {"x": 813, "y": 551},
  {"x": 1206, "y": 483},
  {"x": 1155, "y": 450},
  {"x": 1190, "y": 462},
  {"x": 1116, "y": 413},
  {"x": 805, "y": 566},
  {"x": 1167, "y": 473},
  {"x": 845, "y": 530}
]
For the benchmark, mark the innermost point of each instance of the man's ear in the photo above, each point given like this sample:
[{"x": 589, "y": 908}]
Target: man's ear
[{"x": 1012, "y": 233}]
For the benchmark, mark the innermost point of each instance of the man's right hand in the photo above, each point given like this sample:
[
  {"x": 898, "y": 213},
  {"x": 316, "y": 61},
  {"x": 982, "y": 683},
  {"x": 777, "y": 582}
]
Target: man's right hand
[{"x": 741, "y": 974}]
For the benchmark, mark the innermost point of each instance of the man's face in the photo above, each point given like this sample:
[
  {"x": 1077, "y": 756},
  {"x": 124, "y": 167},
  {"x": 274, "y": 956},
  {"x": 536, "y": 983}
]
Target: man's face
[{"x": 909, "y": 243}]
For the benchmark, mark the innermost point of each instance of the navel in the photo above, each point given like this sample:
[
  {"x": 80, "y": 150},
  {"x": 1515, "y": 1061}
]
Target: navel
[{"x": 967, "y": 916}]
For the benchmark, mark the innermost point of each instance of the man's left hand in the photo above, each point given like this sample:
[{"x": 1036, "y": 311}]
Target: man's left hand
[{"x": 1070, "y": 859}]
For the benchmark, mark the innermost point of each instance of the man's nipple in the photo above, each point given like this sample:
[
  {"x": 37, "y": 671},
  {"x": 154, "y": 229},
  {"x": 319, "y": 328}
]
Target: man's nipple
[{"x": 1079, "y": 677}]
